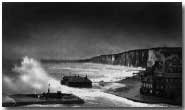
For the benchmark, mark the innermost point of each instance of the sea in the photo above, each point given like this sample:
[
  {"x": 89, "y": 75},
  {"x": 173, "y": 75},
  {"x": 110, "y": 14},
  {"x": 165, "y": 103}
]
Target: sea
[{"x": 32, "y": 76}]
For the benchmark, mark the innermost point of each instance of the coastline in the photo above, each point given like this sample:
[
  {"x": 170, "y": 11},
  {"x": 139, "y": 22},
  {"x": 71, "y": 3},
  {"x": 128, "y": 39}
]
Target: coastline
[{"x": 132, "y": 92}]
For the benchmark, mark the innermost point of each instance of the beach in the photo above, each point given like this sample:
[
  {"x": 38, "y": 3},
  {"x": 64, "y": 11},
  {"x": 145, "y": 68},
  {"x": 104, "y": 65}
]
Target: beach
[{"x": 132, "y": 92}]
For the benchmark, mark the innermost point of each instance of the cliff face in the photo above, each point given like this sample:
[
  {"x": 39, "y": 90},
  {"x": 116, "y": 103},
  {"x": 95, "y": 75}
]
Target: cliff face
[
  {"x": 136, "y": 58},
  {"x": 143, "y": 57}
]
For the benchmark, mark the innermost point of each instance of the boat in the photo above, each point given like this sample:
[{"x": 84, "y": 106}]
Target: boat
[
  {"x": 77, "y": 81},
  {"x": 44, "y": 98}
]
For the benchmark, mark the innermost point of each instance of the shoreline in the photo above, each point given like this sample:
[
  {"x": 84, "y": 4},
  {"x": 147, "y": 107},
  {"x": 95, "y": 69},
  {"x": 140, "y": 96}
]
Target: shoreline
[{"x": 132, "y": 92}]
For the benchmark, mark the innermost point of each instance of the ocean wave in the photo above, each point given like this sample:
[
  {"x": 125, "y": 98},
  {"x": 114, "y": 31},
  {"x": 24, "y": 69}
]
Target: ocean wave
[{"x": 32, "y": 74}]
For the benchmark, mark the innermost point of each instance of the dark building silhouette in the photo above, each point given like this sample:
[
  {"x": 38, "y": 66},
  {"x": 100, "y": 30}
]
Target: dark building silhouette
[
  {"x": 164, "y": 78},
  {"x": 77, "y": 81}
]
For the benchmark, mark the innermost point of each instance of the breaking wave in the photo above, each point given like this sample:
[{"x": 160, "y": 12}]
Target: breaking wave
[{"x": 33, "y": 75}]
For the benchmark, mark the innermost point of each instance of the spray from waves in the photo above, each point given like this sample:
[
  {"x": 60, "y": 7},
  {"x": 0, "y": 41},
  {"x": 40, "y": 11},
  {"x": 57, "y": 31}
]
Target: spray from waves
[{"x": 32, "y": 74}]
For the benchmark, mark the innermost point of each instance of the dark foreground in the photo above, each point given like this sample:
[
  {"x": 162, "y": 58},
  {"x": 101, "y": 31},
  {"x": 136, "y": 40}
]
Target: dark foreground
[
  {"x": 132, "y": 92},
  {"x": 28, "y": 99}
]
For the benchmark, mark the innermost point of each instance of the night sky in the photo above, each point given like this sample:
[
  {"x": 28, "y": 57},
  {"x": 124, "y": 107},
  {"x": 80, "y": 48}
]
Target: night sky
[{"x": 82, "y": 30}]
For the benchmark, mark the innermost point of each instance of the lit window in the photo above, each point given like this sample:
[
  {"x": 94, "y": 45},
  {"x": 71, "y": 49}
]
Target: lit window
[{"x": 161, "y": 87}]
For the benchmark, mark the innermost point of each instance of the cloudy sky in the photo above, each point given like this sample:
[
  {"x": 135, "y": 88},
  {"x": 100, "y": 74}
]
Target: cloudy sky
[{"x": 82, "y": 30}]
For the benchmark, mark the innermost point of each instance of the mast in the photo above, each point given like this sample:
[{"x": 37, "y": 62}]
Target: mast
[{"x": 49, "y": 88}]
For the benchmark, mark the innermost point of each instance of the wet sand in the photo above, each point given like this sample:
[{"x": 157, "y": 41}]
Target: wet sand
[{"x": 132, "y": 92}]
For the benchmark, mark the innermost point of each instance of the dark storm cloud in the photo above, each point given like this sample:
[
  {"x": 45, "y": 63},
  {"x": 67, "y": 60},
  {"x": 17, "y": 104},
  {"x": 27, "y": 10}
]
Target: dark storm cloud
[{"x": 81, "y": 30}]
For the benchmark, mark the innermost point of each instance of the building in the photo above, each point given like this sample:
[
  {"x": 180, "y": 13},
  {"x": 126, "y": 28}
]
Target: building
[
  {"x": 77, "y": 81},
  {"x": 168, "y": 86},
  {"x": 164, "y": 77}
]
